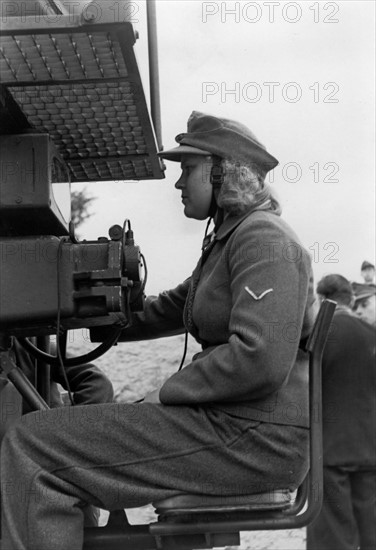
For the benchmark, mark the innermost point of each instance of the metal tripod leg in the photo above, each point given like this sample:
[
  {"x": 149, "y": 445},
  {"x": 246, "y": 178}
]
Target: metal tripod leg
[{"x": 21, "y": 382}]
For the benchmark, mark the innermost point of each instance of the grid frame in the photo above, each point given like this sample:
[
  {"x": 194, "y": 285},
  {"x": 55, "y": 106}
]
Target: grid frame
[{"x": 80, "y": 83}]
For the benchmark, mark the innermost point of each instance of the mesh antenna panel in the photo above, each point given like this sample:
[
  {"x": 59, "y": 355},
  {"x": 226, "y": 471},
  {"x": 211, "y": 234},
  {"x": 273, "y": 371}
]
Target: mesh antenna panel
[{"x": 72, "y": 73}]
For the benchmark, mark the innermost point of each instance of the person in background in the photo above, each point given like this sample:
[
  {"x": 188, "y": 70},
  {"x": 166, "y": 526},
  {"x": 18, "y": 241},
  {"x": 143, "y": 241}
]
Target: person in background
[
  {"x": 87, "y": 384},
  {"x": 367, "y": 271},
  {"x": 347, "y": 520},
  {"x": 365, "y": 302}
]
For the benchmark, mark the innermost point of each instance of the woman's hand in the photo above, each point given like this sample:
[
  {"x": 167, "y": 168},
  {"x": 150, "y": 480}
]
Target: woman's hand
[{"x": 152, "y": 397}]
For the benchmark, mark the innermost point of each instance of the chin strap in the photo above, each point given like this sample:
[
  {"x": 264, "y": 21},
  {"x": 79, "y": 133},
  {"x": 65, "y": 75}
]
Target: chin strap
[
  {"x": 210, "y": 237},
  {"x": 216, "y": 179},
  {"x": 213, "y": 206},
  {"x": 207, "y": 236},
  {"x": 219, "y": 217},
  {"x": 215, "y": 213}
]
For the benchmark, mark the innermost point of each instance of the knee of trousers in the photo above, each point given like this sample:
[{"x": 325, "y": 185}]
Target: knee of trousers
[{"x": 15, "y": 438}]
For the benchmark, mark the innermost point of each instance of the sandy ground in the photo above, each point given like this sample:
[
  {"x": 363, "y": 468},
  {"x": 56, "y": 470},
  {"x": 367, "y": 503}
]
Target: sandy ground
[{"x": 139, "y": 367}]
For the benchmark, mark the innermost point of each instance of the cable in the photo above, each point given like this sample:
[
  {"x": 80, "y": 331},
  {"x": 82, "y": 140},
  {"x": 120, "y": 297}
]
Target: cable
[
  {"x": 204, "y": 249},
  {"x": 73, "y": 361},
  {"x": 185, "y": 351},
  {"x": 128, "y": 239},
  {"x": 145, "y": 271},
  {"x": 206, "y": 239},
  {"x": 58, "y": 316},
  {"x": 57, "y": 7},
  {"x": 143, "y": 285},
  {"x": 181, "y": 362}
]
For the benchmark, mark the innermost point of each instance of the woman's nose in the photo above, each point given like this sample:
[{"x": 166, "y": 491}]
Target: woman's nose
[{"x": 180, "y": 183}]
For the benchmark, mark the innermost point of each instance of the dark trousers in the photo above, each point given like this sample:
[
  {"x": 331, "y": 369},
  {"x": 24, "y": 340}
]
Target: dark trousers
[
  {"x": 347, "y": 520},
  {"x": 117, "y": 456}
]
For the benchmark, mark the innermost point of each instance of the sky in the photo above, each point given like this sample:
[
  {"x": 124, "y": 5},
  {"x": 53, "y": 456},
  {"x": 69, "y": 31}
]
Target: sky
[{"x": 301, "y": 76}]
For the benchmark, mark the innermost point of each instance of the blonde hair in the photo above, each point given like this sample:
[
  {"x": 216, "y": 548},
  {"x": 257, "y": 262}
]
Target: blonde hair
[{"x": 243, "y": 189}]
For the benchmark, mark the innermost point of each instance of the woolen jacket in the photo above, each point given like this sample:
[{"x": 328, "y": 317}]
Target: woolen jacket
[{"x": 248, "y": 303}]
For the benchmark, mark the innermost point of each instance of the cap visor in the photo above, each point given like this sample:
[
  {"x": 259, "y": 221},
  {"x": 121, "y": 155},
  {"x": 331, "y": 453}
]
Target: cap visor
[
  {"x": 176, "y": 153},
  {"x": 364, "y": 296}
]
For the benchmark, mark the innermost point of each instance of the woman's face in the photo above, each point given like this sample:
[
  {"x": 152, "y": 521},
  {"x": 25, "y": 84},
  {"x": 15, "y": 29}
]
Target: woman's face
[{"x": 194, "y": 184}]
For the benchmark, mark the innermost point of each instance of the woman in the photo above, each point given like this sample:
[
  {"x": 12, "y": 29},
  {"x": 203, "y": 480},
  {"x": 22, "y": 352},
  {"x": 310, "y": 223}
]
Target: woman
[{"x": 234, "y": 420}]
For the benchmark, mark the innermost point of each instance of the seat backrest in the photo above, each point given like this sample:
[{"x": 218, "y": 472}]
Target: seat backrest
[
  {"x": 318, "y": 337},
  {"x": 311, "y": 492}
]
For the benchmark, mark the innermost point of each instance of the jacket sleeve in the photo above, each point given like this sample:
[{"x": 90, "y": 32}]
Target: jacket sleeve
[
  {"x": 269, "y": 278},
  {"x": 162, "y": 316},
  {"x": 87, "y": 382}
]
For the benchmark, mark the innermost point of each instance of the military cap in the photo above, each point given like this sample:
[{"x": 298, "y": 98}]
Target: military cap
[
  {"x": 225, "y": 138},
  {"x": 366, "y": 265},
  {"x": 362, "y": 291}
]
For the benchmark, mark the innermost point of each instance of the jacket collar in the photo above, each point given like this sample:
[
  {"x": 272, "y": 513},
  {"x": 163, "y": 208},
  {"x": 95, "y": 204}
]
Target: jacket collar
[{"x": 229, "y": 224}]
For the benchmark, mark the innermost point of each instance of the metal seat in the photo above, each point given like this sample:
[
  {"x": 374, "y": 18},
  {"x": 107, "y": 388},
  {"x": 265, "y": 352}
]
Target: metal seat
[
  {"x": 190, "y": 521},
  {"x": 198, "y": 504}
]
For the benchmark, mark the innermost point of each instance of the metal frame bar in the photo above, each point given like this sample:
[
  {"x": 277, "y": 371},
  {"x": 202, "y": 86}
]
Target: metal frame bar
[
  {"x": 30, "y": 25},
  {"x": 43, "y": 371},
  {"x": 57, "y": 6},
  {"x": 62, "y": 82},
  {"x": 61, "y": 23},
  {"x": 18, "y": 378},
  {"x": 155, "y": 106}
]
